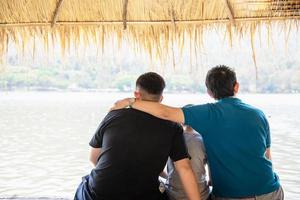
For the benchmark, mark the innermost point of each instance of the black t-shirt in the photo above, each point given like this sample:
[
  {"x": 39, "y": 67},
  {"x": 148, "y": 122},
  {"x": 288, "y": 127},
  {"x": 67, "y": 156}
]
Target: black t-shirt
[{"x": 135, "y": 148}]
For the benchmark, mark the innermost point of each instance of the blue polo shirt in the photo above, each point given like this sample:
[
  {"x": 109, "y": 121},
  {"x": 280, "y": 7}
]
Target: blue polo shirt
[{"x": 236, "y": 136}]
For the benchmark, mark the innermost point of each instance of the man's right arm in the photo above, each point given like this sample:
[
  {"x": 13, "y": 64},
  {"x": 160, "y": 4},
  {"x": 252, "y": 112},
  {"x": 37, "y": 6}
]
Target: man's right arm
[
  {"x": 94, "y": 155},
  {"x": 96, "y": 141},
  {"x": 188, "y": 179},
  {"x": 156, "y": 109}
]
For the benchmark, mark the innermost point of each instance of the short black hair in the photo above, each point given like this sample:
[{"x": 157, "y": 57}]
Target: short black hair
[
  {"x": 220, "y": 81},
  {"x": 151, "y": 82}
]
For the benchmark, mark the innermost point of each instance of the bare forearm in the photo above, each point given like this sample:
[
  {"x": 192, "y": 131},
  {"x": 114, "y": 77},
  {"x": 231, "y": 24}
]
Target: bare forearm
[
  {"x": 190, "y": 187},
  {"x": 154, "y": 108},
  {"x": 160, "y": 110},
  {"x": 93, "y": 163},
  {"x": 188, "y": 180}
]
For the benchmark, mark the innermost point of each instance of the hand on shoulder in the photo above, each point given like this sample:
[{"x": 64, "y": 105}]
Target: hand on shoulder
[{"x": 123, "y": 103}]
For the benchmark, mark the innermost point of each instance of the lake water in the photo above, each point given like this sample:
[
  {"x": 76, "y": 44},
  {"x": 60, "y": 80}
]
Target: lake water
[{"x": 44, "y": 138}]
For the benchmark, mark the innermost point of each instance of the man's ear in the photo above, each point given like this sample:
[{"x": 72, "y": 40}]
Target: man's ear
[
  {"x": 137, "y": 95},
  {"x": 161, "y": 98},
  {"x": 210, "y": 93},
  {"x": 236, "y": 88}
]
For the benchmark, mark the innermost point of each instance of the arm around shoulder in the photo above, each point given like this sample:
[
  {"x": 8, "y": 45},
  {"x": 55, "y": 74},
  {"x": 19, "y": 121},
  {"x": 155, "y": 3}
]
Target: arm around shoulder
[
  {"x": 161, "y": 111},
  {"x": 153, "y": 108}
]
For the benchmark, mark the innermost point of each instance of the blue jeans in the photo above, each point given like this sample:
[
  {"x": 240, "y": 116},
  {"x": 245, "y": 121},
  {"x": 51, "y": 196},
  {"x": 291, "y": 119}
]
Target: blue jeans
[{"x": 83, "y": 192}]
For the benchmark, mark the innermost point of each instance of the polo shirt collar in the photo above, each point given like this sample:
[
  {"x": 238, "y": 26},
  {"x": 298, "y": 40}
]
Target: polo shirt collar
[{"x": 230, "y": 99}]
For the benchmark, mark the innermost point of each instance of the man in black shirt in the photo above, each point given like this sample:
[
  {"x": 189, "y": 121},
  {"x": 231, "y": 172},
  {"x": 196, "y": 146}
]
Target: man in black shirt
[{"x": 130, "y": 149}]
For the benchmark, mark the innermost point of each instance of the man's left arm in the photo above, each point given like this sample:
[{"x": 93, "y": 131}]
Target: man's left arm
[
  {"x": 268, "y": 139},
  {"x": 188, "y": 179},
  {"x": 268, "y": 153},
  {"x": 179, "y": 155}
]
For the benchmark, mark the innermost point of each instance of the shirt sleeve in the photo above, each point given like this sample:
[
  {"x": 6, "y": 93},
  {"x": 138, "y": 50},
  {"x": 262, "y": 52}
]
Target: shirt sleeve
[
  {"x": 97, "y": 139},
  {"x": 268, "y": 137},
  {"x": 197, "y": 116},
  {"x": 266, "y": 129},
  {"x": 178, "y": 149}
]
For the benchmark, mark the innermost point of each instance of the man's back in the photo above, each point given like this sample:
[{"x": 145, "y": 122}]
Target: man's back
[
  {"x": 135, "y": 147},
  {"x": 236, "y": 136}
]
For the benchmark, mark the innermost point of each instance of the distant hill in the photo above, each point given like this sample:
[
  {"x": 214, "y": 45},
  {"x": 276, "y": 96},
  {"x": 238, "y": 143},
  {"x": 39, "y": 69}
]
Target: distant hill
[{"x": 278, "y": 66}]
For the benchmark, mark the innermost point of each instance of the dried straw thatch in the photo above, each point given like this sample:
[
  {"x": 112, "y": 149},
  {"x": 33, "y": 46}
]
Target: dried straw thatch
[{"x": 151, "y": 24}]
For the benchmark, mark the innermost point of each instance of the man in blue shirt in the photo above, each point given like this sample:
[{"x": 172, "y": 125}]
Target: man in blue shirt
[{"x": 236, "y": 137}]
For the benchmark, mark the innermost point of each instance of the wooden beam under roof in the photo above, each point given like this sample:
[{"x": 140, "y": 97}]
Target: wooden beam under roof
[
  {"x": 229, "y": 11},
  {"x": 56, "y": 12},
  {"x": 124, "y": 14},
  {"x": 154, "y": 22}
]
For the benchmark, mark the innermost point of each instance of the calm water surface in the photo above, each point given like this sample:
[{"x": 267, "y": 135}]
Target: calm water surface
[{"x": 44, "y": 138}]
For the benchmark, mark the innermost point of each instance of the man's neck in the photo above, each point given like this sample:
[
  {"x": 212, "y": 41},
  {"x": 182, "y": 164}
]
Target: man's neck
[{"x": 151, "y": 100}]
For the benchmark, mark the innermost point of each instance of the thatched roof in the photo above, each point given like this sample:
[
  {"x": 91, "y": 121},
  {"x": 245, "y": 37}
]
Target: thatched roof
[{"x": 150, "y": 24}]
